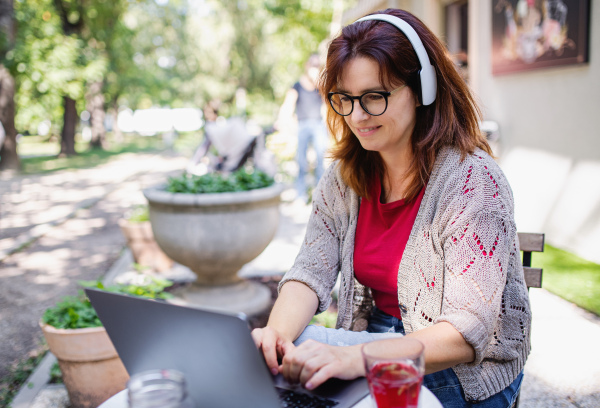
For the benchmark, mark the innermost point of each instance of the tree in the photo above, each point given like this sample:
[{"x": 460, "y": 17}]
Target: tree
[
  {"x": 144, "y": 53},
  {"x": 256, "y": 45},
  {"x": 51, "y": 70},
  {"x": 9, "y": 159},
  {"x": 71, "y": 18},
  {"x": 101, "y": 18}
]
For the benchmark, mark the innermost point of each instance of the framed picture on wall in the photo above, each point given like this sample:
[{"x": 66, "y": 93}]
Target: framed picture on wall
[{"x": 533, "y": 34}]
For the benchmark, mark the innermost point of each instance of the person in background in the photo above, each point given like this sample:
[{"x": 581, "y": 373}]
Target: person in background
[
  {"x": 416, "y": 220},
  {"x": 305, "y": 100}
]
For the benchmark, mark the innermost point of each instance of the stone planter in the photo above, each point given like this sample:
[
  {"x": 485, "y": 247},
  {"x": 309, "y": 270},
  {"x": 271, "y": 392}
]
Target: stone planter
[
  {"x": 215, "y": 235},
  {"x": 92, "y": 370},
  {"x": 143, "y": 246}
]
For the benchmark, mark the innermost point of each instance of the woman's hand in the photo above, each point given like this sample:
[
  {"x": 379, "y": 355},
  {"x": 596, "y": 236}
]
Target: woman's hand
[
  {"x": 312, "y": 363},
  {"x": 271, "y": 342},
  {"x": 293, "y": 309}
]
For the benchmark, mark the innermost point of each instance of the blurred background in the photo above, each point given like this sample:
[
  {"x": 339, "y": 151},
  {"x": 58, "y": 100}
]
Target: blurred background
[
  {"x": 96, "y": 77},
  {"x": 84, "y": 81}
]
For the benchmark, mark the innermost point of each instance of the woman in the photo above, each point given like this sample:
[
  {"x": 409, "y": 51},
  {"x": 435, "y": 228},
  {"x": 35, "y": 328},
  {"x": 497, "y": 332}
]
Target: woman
[{"x": 416, "y": 218}]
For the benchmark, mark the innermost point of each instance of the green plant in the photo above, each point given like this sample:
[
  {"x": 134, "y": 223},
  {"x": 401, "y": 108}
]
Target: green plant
[
  {"x": 17, "y": 375},
  {"x": 241, "y": 180},
  {"x": 139, "y": 213},
  {"x": 327, "y": 319},
  {"x": 72, "y": 312},
  {"x": 76, "y": 312},
  {"x": 55, "y": 374}
]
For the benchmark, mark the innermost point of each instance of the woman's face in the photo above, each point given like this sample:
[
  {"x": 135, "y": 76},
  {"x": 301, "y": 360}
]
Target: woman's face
[{"x": 388, "y": 134}]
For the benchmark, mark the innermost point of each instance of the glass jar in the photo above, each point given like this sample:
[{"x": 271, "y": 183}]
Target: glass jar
[{"x": 158, "y": 388}]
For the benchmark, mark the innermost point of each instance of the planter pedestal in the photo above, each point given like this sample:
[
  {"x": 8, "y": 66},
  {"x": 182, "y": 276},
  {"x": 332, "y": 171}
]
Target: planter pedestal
[
  {"x": 92, "y": 370},
  {"x": 247, "y": 297},
  {"x": 215, "y": 235}
]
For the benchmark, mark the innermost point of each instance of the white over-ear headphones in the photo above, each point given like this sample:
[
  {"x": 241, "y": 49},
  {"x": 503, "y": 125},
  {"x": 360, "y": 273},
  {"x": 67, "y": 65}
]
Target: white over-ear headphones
[{"x": 427, "y": 76}]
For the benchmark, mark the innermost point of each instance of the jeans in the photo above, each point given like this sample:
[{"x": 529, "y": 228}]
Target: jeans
[
  {"x": 310, "y": 131},
  {"x": 443, "y": 384}
]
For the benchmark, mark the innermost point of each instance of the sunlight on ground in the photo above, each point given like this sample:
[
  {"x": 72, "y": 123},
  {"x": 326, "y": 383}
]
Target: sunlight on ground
[
  {"x": 40, "y": 260},
  {"x": 557, "y": 196},
  {"x": 564, "y": 356},
  {"x": 83, "y": 227}
]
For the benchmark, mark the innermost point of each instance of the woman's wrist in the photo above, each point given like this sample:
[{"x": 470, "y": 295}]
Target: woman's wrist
[{"x": 357, "y": 360}]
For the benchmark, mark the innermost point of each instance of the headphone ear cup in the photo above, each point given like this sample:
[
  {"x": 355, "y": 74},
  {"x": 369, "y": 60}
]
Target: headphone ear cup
[{"x": 428, "y": 84}]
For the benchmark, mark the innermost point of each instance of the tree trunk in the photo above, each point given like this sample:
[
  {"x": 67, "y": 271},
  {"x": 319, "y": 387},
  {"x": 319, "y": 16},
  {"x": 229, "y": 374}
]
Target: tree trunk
[
  {"x": 117, "y": 134},
  {"x": 9, "y": 159},
  {"x": 95, "y": 105},
  {"x": 67, "y": 142}
]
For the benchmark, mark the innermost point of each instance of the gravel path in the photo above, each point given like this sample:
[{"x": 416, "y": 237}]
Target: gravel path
[{"x": 67, "y": 223}]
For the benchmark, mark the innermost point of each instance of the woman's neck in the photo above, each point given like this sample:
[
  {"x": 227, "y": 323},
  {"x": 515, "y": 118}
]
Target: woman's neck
[{"x": 396, "y": 178}]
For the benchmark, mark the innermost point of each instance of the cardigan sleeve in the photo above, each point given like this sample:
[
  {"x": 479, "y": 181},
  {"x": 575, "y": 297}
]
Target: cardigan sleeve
[
  {"x": 318, "y": 261},
  {"x": 477, "y": 242}
]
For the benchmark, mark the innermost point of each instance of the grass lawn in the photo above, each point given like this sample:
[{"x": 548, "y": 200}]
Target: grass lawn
[
  {"x": 40, "y": 156},
  {"x": 570, "y": 277}
]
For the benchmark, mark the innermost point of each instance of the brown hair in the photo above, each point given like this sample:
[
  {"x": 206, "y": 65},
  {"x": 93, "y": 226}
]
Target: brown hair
[{"x": 452, "y": 120}]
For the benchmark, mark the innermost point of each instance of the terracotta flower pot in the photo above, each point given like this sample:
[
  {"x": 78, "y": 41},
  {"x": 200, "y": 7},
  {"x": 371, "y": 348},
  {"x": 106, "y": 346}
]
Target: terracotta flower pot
[
  {"x": 143, "y": 246},
  {"x": 92, "y": 370}
]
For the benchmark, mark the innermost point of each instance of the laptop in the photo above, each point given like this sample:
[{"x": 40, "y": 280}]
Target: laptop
[{"x": 214, "y": 350}]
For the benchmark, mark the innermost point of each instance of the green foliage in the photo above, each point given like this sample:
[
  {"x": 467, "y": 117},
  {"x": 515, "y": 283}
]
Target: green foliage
[
  {"x": 76, "y": 312},
  {"x": 241, "y": 180},
  {"x": 327, "y": 319},
  {"x": 149, "y": 54},
  {"x": 302, "y": 29},
  {"x": 153, "y": 288},
  {"x": 49, "y": 63},
  {"x": 55, "y": 374},
  {"x": 260, "y": 46},
  {"x": 16, "y": 377},
  {"x": 72, "y": 312},
  {"x": 570, "y": 277},
  {"x": 139, "y": 213}
]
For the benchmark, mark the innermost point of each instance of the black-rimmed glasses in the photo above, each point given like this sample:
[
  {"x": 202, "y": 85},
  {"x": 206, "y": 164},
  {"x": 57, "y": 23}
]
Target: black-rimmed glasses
[{"x": 374, "y": 103}]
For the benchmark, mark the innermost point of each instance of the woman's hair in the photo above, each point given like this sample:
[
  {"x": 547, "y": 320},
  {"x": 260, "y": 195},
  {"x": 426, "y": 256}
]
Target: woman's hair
[{"x": 452, "y": 120}]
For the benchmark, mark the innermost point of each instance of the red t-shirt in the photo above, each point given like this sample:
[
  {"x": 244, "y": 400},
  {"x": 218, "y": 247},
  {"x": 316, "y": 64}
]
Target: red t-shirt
[{"x": 382, "y": 232}]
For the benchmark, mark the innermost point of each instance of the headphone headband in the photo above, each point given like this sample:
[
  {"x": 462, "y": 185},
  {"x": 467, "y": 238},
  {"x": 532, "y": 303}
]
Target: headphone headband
[{"x": 428, "y": 80}]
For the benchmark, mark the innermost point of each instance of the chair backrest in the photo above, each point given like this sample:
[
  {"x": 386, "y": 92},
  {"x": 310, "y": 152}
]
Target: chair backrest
[{"x": 531, "y": 242}]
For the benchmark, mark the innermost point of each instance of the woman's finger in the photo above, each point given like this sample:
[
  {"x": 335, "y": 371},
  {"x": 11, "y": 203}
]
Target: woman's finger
[
  {"x": 269, "y": 349},
  {"x": 294, "y": 361}
]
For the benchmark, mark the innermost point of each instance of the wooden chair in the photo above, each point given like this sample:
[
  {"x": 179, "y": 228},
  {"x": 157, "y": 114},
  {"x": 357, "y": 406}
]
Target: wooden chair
[{"x": 530, "y": 242}]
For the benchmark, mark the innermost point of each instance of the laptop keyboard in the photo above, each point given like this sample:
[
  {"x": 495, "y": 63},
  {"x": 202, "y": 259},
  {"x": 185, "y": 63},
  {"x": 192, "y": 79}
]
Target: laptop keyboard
[{"x": 292, "y": 399}]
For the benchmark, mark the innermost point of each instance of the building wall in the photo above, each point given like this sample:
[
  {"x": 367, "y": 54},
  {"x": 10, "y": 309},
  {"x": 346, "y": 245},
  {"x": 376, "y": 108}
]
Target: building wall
[{"x": 549, "y": 136}]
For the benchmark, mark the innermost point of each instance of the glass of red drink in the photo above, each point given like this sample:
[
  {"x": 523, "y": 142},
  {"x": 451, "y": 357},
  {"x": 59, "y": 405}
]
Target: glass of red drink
[{"x": 394, "y": 370}]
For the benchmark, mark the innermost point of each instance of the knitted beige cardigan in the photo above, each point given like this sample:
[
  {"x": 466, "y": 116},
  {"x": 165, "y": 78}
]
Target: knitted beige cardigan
[{"x": 461, "y": 265}]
